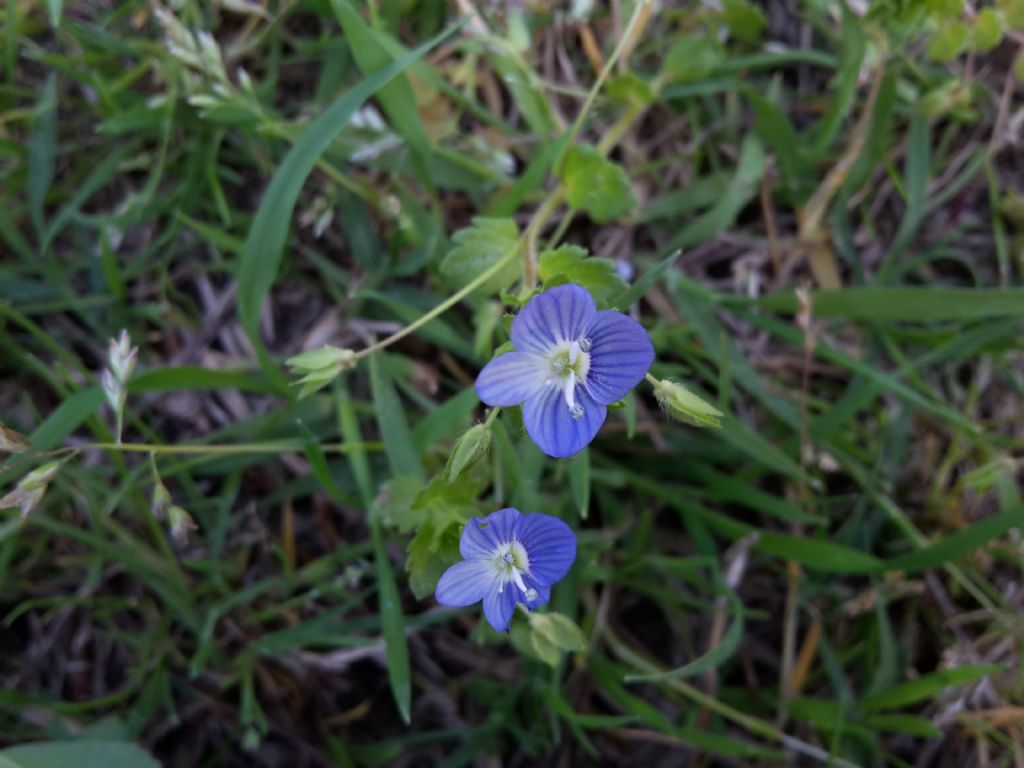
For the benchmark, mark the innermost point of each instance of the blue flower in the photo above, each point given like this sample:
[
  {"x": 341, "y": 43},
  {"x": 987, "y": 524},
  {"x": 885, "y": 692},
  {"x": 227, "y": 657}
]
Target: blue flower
[
  {"x": 509, "y": 558},
  {"x": 570, "y": 362}
]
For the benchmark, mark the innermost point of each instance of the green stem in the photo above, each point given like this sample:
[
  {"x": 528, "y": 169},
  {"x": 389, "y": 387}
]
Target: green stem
[
  {"x": 445, "y": 305},
  {"x": 492, "y": 416},
  {"x": 284, "y": 446},
  {"x": 540, "y": 217},
  {"x": 625, "y": 42},
  {"x": 750, "y": 723}
]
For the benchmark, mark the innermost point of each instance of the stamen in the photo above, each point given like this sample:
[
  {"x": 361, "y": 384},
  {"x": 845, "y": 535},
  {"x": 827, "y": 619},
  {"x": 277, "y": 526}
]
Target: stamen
[
  {"x": 576, "y": 411},
  {"x": 585, "y": 345},
  {"x": 530, "y": 595},
  {"x": 508, "y": 557},
  {"x": 570, "y": 390},
  {"x": 517, "y": 577},
  {"x": 574, "y": 353}
]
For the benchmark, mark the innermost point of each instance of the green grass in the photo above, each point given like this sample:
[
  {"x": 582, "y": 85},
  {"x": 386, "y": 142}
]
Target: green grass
[{"x": 829, "y": 578}]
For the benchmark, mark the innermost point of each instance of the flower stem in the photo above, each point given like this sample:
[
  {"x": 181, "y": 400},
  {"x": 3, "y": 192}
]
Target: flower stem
[{"x": 445, "y": 305}]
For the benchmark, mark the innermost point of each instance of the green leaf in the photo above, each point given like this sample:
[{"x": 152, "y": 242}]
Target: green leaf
[
  {"x": 745, "y": 20},
  {"x": 394, "y": 428},
  {"x": 477, "y": 249},
  {"x": 742, "y": 188},
  {"x": 431, "y": 551},
  {"x": 392, "y": 620},
  {"x": 596, "y": 185},
  {"x": 261, "y": 258},
  {"x": 55, "y": 9},
  {"x": 579, "y": 481},
  {"x": 958, "y": 544},
  {"x": 987, "y": 31},
  {"x": 553, "y": 633},
  {"x": 916, "y": 305},
  {"x": 397, "y": 98},
  {"x": 912, "y": 725},
  {"x": 926, "y": 686},
  {"x": 713, "y": 659},
  {"x": 628, "y": 88},
  {"x": 68, "y": 417},
  {"x": 42, "y": 151},
  {"x": 571, "y": 264},
  {"x": 692, "y": 57},
  {"x": 394, "y": 504},
  {"x": 949, "y": 41},
  {"x": 87, "y": 754},
  {"x": 1013, "y": 12}
]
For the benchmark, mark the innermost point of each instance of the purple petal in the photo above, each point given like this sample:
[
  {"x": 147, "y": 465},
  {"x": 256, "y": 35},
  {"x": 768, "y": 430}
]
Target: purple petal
[
  {"x": 483, "y": 535},
  {"x": 550, "y": 425},
  {"x": 465, "y": 583},
  {"x": 499, "y": 606},
  {"x": 512, "y": 378},
  {"x": 550, "y": 545},
  {"x": 620, "y": 354},
  {"x": 550, "y": 318}
]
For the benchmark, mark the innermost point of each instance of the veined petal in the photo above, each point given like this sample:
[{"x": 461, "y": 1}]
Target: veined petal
[
  {"x": 465, "y": 583},
  {"x": 550, "y": 546},
  {"x": 500, "y": 604},
  {"x": 551, "y": 318},
  {"x": 543, "y": 593},
  {"x": 620, "y": 354},
  {"x": 554, "y": 429},
  {"x": 512, "y": 378},
  {"x": 483, "y": 535}
]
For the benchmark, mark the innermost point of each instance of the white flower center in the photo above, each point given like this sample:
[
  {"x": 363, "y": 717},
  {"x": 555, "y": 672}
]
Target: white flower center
[
  {"x": 569, "y": 363},
  {"x": 510, "y": 563}
]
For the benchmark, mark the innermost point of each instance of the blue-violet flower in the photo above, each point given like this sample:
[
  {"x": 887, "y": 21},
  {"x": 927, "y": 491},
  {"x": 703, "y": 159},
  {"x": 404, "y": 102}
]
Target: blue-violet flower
[
  {"x": 570, "y": 362},
  {"x": 509, "y": 558}
]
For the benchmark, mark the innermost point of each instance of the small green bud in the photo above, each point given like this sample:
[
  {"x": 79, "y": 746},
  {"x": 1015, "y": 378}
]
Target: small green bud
[
  {"x": 319, "y": 367},
  {"x": 682, "y": 404},
  {"x": 161, "y": 501},
  {"x": 40, "y": 477},
  {"x": 468, "y": 450},
  {"x": 181, "y": 523},
  {"x": 30, "y": 491}
]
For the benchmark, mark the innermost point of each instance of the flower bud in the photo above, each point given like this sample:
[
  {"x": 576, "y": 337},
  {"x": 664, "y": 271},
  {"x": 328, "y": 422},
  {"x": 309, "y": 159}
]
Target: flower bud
[
  {"x": 11, "y": 441},
  {"x": 30, "y": 491},
  {"x": 682, "y": 404},
  {"x": 181, "y": 523},
  {"x": 468, "y": 450},
  {"x": 319, "y": 367}
]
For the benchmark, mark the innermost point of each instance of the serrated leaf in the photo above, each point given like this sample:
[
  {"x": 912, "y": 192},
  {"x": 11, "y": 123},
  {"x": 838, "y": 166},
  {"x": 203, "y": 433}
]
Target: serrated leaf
[
  {"x": 431, "y": 551},
  {"x": 949, "y": 41},
  {"x": 691, "y": 58},
  {"x": 744, "y": 19},
  {"x": 394, "y": 505},
  {"x": 595, "y": 184},
  {"x": 439, "y": 513},
  {"x": 477, "y": 249},
  {"x": 571, "y": 264}
]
